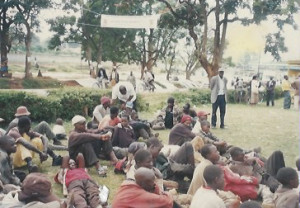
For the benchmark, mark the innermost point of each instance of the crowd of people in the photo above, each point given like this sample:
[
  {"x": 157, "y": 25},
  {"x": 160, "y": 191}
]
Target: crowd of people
[{"x": 195, "y": 169}]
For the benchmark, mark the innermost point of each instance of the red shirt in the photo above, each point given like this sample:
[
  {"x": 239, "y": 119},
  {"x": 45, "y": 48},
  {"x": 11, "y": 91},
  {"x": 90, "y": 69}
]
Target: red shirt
[{"x": 76, "y": 174}]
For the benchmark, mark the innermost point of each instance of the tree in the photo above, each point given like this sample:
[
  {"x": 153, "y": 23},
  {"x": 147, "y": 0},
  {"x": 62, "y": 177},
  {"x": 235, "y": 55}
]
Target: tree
[{"x": 198, "y": 14}]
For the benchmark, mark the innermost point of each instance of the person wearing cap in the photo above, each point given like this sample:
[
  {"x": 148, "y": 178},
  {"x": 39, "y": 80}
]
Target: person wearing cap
[
  {"x": 42, "y": 128},
  {"x": 37, "y": 187},
  {"x": 202, "y": 115},
  {"x": 7, "y": 174},
  {"x": 28, "y": 143},
  {"x": 90, "y": 143},
  {"x": 270, "y": 91},
  {"x": 169, "y": 114},
  {"x": 218, "y": 86},
  {"x": 131, "y": 79},
  {"x": 101, "y": 110},
  {"x": 124, "y": 92},
  {"x": 182, "y": 132},
  {"x": 114, "y": 76}
]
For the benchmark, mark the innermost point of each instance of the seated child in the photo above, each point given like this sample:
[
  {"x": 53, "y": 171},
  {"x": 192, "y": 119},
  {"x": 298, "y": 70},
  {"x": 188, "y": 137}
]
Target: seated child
[
  {"x": 59, "y": 130},
  {"x": 123, "y": 134}
]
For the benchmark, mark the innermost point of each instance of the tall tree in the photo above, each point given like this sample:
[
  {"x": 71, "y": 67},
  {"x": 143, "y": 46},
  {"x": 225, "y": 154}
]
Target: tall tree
[{"x": 216, "y": 15}]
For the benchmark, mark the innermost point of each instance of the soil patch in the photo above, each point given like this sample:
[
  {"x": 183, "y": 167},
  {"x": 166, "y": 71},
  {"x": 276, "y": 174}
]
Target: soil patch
[{"x": 70, "y": 83}]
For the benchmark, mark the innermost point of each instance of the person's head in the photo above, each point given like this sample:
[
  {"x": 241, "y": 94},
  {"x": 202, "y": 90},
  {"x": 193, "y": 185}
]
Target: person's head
[
  {"x": 170, "y": 102},
  {"x": 72, "y": 164},
  {"x": 114, "y": 111},
  {"x": 79, "y": 123},
  {"x": 214, "y": 177},
  {"x": 154, "y": 145},
  {"x": 271, "y": 78},
  {"x": 8, "y": 144},
  {"x": 186, "y": 108},
  {"x": 131, "y": 74},
  {"x": 186, "y": 120},
  {"x": 22, "y": 111},
  {"x": 237, "y": 154},
  {"x": 210, "y": 152},
  {"x": 125, "y": 120},
  {"x": 202, "y": 115},
  {"x": 59, "y": 121},
  {"x": 134, "y": 115},
  {"x": 24, "y": 124},
  {"x": 122, "y": 89},
  {"x": 288, "y": 177},
  {"x": 254, "y": 77},
  {"x": 145, "y": 178},
  {"x": 143, "y": 158},
  {"x": 298, "y": 164},
  {"x": 250, "y": 204},
  {"x": 105, "y": 101},
  {"x": 205, "y": 126},
  {"x": 221, "y": 72},
  {"x": 285, "y": 77}
]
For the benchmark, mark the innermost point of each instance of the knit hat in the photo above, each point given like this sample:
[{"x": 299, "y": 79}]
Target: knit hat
[
  {"x": 202, "y": 113},
  {"x": 186, "y": 118}
]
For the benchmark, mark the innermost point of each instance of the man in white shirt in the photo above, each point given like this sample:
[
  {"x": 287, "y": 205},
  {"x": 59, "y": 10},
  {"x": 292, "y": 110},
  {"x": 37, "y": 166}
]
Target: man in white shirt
[
  {"x": 218, "y": 97},
  {"x": 124, "y": 92},
  {"x": 101, "y": 110},
  {"x": 207, "y": 196}
]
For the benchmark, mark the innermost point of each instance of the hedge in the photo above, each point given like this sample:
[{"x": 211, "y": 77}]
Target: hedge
[{"x": 64, "y": 103}]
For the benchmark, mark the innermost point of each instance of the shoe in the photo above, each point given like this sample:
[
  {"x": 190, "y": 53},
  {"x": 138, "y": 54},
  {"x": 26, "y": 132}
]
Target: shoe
[
  {"x": 102, "y": 171},
  {"x": 213, "y": 127},
  {"x": 57, "y": 161},
  {"x": 33, "y": 169},
  {"x": 56, "y": 142},
  {"x": 223, "y": 127}
]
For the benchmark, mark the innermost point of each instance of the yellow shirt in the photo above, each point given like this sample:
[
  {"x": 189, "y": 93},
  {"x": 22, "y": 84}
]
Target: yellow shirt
[{"x": 286, "y": 85}]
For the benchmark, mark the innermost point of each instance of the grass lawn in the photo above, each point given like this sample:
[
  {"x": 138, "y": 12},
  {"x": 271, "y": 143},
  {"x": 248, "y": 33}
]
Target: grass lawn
[{"x": 271, "y": 128}]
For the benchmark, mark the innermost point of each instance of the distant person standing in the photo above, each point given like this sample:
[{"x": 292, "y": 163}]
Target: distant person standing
[
  {"x": 296, "y": 85},
  {"x": 131, "y": 79},
  {"x": 255, "y": 84},
  {"x": 218, "y": 88},
  {"x": 286, "y": 87},
  {"x": 114, "y": 76},
  {"x": 102, "y": 77},
  {"x": 271, "y": 91}
]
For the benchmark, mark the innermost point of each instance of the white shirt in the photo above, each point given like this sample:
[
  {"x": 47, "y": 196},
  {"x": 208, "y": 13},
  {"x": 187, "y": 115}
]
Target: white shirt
[
  {"x": 221, "y": 86},
  {"x": 99, "y": 112},
  {"x": 129, "y": 92},
  {"x": 197, "y": 128},
  {"x": 206, "y": 198},
  {"x": 58, "y": 129}
]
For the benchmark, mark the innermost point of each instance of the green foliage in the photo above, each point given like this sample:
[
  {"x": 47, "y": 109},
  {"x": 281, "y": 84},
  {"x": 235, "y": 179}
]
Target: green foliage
[
  {"x": 40, "y": 83},
  {"x": 4, "y": 83}
]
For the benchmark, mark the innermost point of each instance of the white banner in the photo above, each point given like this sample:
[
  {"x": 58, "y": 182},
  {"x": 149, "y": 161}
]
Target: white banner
[{"x": 117, "y": 21}]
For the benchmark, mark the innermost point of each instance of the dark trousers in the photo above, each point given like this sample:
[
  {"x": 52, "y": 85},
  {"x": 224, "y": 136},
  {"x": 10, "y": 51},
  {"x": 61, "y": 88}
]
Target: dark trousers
[
  {"x": 287, "y": 99},
  {"x": 87, "y": 149},
  {"x": 85, "y": 192},
  {"x": 220, "y": 103},
  {"x": 270, "y": 97}
]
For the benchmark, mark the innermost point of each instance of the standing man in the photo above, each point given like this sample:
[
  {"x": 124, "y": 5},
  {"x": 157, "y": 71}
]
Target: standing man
[
  {"x": 218, "y": 97},
  {"x": 296, "y": 85},
  {"x": 270, "y": 91},
  {"x": 286, "y": 87}
]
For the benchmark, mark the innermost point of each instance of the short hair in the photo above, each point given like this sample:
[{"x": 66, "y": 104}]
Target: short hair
[
  {"x": 154, "y": 141},
  {"x": 236, "y": 151},
  {"x": 59, "y": 121},
  {"x": 4, "y": 140},
  {"x": 285, "y": 175},
  {"x": 114, "y": 110},
  {"x": 24, "y": 121},
  {"x": 204, "y": 123},
  {"x": 250, "y": 204},
  {"x": 141, "y": 155},
  {"x": 125, "y": 116},
  {"x": 298, "y": 164},
  {"x": 212, "y": 172},
  {"x": 205, "y": 150},
  {"x": 171, "y": 100}
]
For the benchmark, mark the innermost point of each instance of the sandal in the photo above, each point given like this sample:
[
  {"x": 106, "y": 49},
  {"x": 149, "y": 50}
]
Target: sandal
[{"x": 102, "y": 171}]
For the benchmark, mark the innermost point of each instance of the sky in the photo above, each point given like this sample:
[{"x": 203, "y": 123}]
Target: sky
[{"x": 241, "y": 39}]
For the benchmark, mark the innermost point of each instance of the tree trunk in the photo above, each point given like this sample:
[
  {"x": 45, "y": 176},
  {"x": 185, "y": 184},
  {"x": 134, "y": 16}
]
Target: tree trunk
[{"x": 28, "y": 52}]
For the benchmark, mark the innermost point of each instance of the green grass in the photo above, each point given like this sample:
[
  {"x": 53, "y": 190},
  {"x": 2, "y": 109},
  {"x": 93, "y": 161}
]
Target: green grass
[
  {"x": 40, "y": 83},
  {"x": 270, "y": 128},
  {"x": 4, "y": 83}
]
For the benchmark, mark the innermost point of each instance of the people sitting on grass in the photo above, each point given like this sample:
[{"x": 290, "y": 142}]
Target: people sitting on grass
[
  {"x": 142, "y": 128},
  {"x": 186, "y": 110},
  {"x": 59, "y": 129},
  {"x": 287, "y": 195},
  {"x": 42, "y": 128},
  {"x": 207, "y": 195},
  {"x": 201, "y": 115},
  {"x": 182, "y": 132},
  {"x": 100, "y": 111},
  {"x": 90, "y": 143},
  {"x": 28, "y": 143},
  {"x": 123, "y": 134},
  {"x": 111, "y": 120},
  {"x": 142, "y": 192}
]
